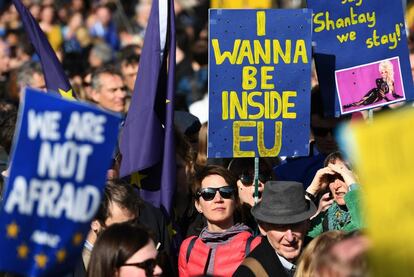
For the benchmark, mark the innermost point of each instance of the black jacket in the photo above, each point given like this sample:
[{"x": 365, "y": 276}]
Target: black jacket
[{"x": 266, "y": 256}]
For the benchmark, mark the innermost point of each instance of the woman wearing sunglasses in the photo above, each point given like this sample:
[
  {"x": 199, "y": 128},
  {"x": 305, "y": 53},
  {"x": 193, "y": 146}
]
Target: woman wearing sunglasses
[
  {"x": 243, "y": 169},
  {"x": 222, "y": 244},
  {"x": 124, "y": 250}
]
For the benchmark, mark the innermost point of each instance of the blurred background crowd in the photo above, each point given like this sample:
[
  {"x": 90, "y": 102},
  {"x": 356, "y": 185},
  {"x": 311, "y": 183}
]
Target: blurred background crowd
[{"x": 89, "y": 34}]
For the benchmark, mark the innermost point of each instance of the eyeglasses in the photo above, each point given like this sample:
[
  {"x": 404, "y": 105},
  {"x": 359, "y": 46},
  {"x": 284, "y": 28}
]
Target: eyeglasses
[
  {"x": 147, "y": 265},
  {"x": 247, "y": 179},
  {"x": 86, "y": 84},
  {"x": 208, "y": 194},
  {"x": 322, "y": 132}
]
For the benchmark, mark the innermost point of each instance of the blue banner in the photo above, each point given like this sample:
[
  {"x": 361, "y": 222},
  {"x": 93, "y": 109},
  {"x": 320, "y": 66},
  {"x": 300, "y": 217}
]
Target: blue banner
[
  {"x": 359, "y": 38},
  {"x": 61, "y": 153},
  {"x": 259, "y": 83}
]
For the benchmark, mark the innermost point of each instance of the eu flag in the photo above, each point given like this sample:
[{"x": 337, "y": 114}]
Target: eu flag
[
  {"x": 147, "y": 141},
  {"x": 55, "y": 77}
]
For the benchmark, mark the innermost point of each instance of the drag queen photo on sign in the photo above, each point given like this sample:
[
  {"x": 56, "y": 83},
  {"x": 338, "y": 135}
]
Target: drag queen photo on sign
[{"x": 385, "y": 87}]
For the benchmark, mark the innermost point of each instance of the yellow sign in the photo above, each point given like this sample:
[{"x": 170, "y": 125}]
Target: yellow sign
[
  {"x": 241, "y": 4},
  {"x": 383, "y": 154}
]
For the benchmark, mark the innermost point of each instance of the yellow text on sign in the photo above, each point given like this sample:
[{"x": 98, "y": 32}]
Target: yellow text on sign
[
  {"x": 267, "y": 105},
  {"x": 238, "y": 152},
  {"x": 258, "y": 52},
  {"x": 261, "y": 23}
]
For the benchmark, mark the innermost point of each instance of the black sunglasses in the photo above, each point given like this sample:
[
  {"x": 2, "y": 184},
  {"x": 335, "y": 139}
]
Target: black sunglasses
[
  {"x": 322, "y": 132},
  {"x": 147, "y": 265},
  {"x": 86, "y": 84},
  {"x": 247, "y": 179},
  {"x": 208, "y": 194}
]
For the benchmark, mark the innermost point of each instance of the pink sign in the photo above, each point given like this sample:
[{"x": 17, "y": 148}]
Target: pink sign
[{"x": 370, "y": 85}]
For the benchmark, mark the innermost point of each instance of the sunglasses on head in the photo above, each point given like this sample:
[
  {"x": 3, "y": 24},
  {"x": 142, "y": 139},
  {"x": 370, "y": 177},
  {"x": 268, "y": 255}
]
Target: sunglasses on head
[
  {"x": 247, "y": 179},
  {"x": 147, "y": 265},
  {"x": 322, "y": 132},
  {"x": 208, "y": 194}
]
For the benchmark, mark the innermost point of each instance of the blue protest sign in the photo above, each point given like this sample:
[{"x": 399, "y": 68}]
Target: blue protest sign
[
  {"x": 259, "y": 83},
  {"x": 60, "y": 156},
  {"x": 367, "y": 43}
]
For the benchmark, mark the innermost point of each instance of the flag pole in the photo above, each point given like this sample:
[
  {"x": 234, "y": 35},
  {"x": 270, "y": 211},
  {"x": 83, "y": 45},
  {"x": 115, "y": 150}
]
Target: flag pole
[{"x": 256, "y": 180}]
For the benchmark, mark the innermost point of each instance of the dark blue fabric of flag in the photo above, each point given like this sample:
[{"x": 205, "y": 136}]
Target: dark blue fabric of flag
[
  {"x": 147, "y": 141},
  {"x": 55, "y": 77}
]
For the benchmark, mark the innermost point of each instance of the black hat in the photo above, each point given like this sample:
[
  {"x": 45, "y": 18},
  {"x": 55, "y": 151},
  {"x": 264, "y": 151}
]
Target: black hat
[
  {"x": 186, "y": 123},
  {"x": 283, "y": 202}
]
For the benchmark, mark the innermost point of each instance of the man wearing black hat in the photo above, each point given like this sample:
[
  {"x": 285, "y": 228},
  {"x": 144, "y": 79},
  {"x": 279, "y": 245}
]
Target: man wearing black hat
[{"x": 283, "y": 215}]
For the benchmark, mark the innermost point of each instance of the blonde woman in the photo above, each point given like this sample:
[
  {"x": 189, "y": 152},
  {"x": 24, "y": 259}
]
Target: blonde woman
[
  {"x": 308, "y": 262},
  {"x": 385, "y": 85}
]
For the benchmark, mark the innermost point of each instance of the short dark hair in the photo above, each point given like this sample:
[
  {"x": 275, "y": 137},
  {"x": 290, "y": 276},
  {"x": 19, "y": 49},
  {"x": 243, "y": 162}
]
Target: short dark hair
[
  {"x": 204, "y": 171},
  {"x": 121, "y": 193},
  {"x": 332, "y": 157},
  {"x": 96, "y": 75},
  {"x": 129, "y": 55},
  {"x": 239, "y": 166},
  {"x": 115, "y": 246}
]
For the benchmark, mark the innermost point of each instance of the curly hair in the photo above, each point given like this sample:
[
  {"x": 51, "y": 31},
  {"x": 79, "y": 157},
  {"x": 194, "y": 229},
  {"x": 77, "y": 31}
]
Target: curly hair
[{"x": 387, "y": 66}]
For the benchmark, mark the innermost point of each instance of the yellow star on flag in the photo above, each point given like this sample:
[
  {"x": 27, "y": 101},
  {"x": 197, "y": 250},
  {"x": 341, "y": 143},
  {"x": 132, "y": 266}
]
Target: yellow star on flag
[
  {"x": 22, "y": 251},
  {"x": 67, "y": 94},
  {"x": 77, "y": 239},
  {"x": 61, "y": 255},
  {"x": 12, "y": 230},
  {"x": 41, "y": 260},
  {"x": 167, "y": 101},
  {"x": 171, "y": 231},
  {"x": 136, "y": 179}
]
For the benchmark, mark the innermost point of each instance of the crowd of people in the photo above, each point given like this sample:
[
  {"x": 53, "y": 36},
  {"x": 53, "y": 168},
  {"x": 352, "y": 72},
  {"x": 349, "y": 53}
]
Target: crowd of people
[{"x": 305, "y": 212}]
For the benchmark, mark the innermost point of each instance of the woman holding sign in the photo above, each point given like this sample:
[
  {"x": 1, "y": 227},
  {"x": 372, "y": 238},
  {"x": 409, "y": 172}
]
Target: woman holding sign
[
  {"x": 222, "y": 245},
  {"x": 385, "y": 85}
]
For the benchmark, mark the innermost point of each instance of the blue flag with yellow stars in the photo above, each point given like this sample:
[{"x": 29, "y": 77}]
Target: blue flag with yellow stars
[
  {"x": 61, "y": 153},
  {"x": 56, "y": 80},
  {"x": 147, "y": 142}
]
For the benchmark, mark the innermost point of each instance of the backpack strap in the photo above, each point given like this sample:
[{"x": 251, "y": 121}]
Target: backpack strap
[
  {"x": 255, "y": 267},
  {"x": 190, "y": 247},
  {"x": 248, "y": 243}
]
